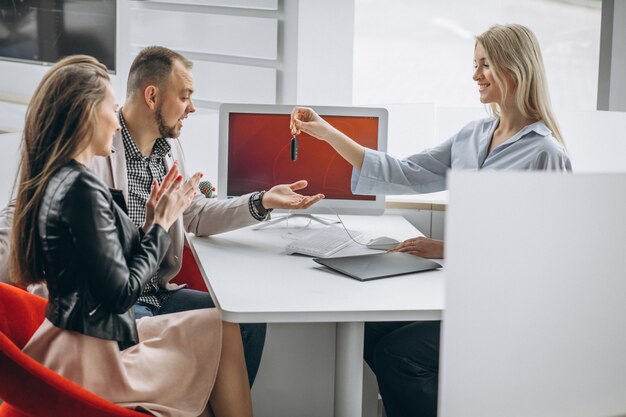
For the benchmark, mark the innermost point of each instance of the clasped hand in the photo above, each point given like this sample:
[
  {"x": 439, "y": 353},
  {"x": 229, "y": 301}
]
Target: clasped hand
[{"x": 170, "y": 199}]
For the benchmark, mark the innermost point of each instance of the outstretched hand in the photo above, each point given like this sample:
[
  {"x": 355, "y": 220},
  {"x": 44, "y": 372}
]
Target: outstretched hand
[
  {"x": 421, "y": 246},
  {"x": 284, "y": 196}
]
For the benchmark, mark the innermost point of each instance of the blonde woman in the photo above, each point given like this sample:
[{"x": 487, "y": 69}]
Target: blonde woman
[
  {"x": 521, "y": 134},
  {"x": 70, "y": 232}
]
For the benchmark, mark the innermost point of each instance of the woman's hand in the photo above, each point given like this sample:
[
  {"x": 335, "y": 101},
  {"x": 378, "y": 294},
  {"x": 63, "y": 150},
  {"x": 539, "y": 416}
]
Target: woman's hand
[
  {"x": 156, "y": 192},
  {"x": 304, "y": 119},
  {"x": 284, "y": 196},
  {"x": 421, "y": 246},
  {"x": 174, "y": 200}
]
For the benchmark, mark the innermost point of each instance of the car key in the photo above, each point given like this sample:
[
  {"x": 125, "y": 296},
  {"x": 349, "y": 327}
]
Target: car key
[{"x": 294, "y": 148}]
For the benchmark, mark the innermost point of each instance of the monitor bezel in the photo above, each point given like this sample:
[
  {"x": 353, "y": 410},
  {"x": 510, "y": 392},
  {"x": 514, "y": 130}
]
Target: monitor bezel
[{"x": 327, "y": 206}]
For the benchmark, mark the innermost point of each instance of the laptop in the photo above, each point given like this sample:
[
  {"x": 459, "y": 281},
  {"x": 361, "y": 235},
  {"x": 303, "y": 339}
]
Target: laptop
[{"x": 378, "y": 265}]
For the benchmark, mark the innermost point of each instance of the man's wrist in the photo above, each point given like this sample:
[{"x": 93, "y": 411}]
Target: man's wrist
[{"x": 255, "y": 204}]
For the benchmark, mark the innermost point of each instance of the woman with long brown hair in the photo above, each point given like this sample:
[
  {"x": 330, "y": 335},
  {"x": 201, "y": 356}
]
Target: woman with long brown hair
[{"x": 71, "y": 232}]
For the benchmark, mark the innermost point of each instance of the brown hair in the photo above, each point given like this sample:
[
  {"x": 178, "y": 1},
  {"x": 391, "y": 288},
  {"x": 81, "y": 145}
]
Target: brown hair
[
  {"x": 515, "y": 49},
  {"x": 59, "y": 124},
  {"x": 152, "y": 66}
]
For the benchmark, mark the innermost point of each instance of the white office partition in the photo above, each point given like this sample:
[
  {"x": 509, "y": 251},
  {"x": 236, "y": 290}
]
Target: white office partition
[
  {"x": 233, "y": 83},
  {"x": 206, "y": 33},
  {"x": 9, "y": 161},
  {"x": 595, "y": 140},
  {"x": 535, "y": 319}
]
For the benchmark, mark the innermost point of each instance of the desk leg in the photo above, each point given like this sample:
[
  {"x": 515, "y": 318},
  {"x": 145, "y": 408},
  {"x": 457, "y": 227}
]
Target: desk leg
[{"x": 349, "y": 369}]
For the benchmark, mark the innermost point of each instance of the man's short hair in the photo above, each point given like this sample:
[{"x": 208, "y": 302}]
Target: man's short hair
[{"x": 152, "y": 66}]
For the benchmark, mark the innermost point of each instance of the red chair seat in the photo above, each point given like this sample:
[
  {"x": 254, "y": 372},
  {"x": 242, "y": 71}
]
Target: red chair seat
[{"x": 29, "y": 388}]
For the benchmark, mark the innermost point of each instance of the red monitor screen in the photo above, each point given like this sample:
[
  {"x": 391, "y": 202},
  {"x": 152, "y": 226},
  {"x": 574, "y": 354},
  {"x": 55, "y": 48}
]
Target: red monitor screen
[{"x": 259, "y": 155}]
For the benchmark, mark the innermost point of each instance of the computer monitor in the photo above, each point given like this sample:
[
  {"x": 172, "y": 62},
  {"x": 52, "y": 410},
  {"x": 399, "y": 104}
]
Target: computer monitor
[{"x": 254, "y": 154}]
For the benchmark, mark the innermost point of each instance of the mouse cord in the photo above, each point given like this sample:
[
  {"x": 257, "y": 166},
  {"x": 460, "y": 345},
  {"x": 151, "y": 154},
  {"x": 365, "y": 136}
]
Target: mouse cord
[{"x": 345, "y": 228}]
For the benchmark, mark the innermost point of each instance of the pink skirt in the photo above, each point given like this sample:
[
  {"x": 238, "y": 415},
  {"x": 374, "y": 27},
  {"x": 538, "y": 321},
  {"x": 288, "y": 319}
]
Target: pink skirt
[{"x": 170, "y": 372}]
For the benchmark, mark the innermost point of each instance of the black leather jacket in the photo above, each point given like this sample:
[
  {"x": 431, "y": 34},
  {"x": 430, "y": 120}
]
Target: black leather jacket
[{"x": 96, "y": 263}]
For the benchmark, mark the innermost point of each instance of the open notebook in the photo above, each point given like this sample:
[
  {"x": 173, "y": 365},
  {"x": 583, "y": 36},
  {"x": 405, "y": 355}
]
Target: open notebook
[{"x": 378, "y": 265}]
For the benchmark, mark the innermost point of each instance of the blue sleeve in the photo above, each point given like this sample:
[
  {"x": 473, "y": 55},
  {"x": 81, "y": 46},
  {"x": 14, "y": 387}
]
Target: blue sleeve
[{"x": 424, "y": 172}]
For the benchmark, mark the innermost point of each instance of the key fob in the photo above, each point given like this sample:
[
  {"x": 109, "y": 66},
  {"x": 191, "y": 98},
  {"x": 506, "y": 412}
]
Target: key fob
[{"x": 294, "y": 148}]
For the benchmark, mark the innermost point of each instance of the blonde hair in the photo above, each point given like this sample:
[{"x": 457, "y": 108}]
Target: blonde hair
[
  {"x": 513, "y": 50},
  {"x": 59, "y": 124}
]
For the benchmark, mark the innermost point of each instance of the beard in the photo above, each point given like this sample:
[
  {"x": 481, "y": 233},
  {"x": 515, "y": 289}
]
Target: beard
[{"x": 164, "y": 130}]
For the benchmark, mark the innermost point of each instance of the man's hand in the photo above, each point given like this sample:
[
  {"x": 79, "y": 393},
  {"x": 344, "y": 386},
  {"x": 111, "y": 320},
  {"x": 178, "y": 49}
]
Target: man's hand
[
  {"x": 421, "y": 246},
  {"x": 284, "y": 196}
]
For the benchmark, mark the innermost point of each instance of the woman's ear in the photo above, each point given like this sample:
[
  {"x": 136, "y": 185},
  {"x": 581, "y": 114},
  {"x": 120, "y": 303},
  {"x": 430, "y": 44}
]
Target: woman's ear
[{"x": 150, "y": 96}]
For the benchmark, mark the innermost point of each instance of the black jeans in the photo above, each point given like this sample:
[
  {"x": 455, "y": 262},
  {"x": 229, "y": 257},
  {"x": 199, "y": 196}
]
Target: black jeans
[
  {"x": 252, "y": 334},
  {"x": 405, "y": 358}
]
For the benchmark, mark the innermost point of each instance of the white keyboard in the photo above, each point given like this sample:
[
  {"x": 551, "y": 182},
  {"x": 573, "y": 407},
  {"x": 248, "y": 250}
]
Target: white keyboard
[{"x": 323, "y": 242}]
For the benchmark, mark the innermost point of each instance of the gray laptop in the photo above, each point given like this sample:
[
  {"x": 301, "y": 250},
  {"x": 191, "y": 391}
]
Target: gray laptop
[{"x": 378, "y": 265}]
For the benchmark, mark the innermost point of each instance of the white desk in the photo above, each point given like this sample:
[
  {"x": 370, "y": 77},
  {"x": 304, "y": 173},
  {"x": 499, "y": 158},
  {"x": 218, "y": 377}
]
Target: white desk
[{"x": 252, "y": 279}]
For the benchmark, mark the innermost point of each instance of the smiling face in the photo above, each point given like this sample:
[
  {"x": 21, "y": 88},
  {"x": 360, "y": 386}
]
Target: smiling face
[
  {"x": 488, "y": 89},
  {"x": 106, "y": 124},
  {"x": 175, "y": 102}
]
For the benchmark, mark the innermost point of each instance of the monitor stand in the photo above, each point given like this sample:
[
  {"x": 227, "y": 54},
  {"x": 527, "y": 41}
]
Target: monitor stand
[{"x": 285, "y": 218}]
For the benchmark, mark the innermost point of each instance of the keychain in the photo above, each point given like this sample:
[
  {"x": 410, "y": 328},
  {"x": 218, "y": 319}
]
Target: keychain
[{"x": 294, "y": 148}]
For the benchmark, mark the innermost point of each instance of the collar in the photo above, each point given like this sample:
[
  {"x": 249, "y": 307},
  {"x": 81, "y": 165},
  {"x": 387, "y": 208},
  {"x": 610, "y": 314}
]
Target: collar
[{"x": 160, "y": 149}]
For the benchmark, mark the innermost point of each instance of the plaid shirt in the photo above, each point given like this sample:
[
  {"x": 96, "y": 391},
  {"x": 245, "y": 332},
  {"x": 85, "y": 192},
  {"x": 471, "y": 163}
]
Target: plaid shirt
[{"x": 141, "y": 171}]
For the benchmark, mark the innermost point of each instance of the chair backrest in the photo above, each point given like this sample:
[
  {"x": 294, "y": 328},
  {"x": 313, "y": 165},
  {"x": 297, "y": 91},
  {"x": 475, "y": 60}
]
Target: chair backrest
[
  {"x": 535, "y": 319},
  {"x": 190, "y": 272},
  {"x": 21, "y": 313},
  {"x": 27, "y": 387}
]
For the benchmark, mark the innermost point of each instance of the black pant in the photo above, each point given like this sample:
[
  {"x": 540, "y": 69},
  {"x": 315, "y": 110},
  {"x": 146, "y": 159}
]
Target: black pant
[
  {"x": 405, "y": 358},
  {"x": 252, "y": 334}
]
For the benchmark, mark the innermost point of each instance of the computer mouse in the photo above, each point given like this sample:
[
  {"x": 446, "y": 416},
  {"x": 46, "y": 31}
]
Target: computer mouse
[{"x": 382, "y": 243}]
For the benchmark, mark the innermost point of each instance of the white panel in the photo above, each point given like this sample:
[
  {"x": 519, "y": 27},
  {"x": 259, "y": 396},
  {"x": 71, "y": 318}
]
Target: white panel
[
  {"x": 20, "y": 78},
  {"x": 595, "y": 140},
  {"x": 12, "y": 117},
  {"x": 325, "y": 51},
  {"x": 239, "y": 4},
  {"x": 199, "y": 139},
  {"x": 242, "y": 36},
  {"x": 234, "y": 83},
  {"x": 9, "y": 161},
  {"x": 296, "y": 372},
  {"x": 411, "y": 128},
  {"x": 535, "y": 319}
]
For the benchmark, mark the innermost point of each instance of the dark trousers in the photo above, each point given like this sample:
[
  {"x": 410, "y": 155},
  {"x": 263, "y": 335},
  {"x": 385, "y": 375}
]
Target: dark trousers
[
  {"x": 405, "y": 358},
  {"x": 252, "y": 334}
]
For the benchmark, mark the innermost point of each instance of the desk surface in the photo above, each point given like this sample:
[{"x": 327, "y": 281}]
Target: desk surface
[{"x": 252, "y": 279}]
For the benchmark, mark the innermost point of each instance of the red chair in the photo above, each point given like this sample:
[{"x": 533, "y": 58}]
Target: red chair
[
  {"x": 190, "y": 272},
  {"x": 28, "y": 388}
]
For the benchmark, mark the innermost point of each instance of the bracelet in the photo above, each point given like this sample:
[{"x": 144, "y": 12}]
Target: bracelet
[{"x": 255, "y": 205}]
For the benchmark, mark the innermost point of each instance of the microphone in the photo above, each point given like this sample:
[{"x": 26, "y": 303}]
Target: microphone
[{"x": 207, "y": 189}]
